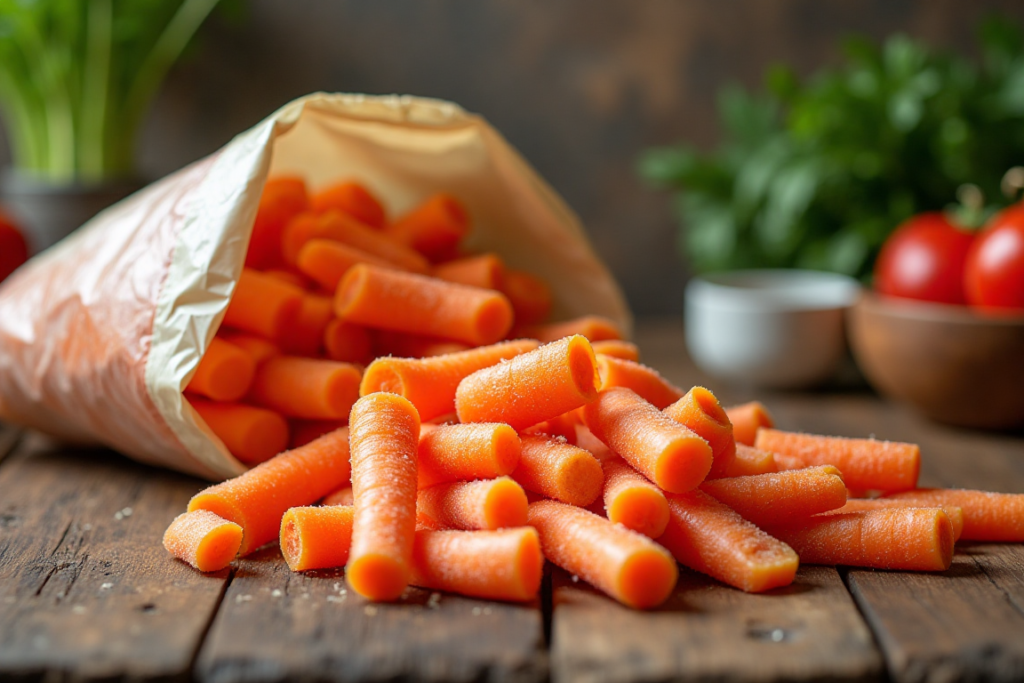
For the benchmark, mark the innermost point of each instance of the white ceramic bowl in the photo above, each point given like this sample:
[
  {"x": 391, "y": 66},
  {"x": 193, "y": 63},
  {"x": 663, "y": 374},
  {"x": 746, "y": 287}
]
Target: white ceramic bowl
[{"x": 769, "y": 328}]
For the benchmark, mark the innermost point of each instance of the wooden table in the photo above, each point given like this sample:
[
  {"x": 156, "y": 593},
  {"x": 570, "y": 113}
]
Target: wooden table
[{"x": 87, "y": 592}]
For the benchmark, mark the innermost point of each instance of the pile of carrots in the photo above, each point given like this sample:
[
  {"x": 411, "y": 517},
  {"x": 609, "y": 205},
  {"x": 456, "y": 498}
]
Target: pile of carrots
[{"x": 443, "y": 434}]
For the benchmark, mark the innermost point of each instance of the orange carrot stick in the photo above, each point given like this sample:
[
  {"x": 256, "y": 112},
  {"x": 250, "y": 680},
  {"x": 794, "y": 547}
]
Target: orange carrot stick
[
  {"x": 283, "y": 198},
  {"x": 746, "y": 419},
  {"x": 263, "y": 305},
  {"x": 700, "y": 411},
  {"x": 486, "y": 271},
  {"x": 258, "y": 348},
  {"x": 661, "y": 449},
  {"x": 388, "y": 343},
  {"x": 712, "y": 538},
  {"x": 405, "y": 302},
  {"x": 316, "y": 537},
  {"x": 258, "y": 499},
  {"x": 342, "y": 496},
  {"x": 462, "y": 452},
  {"x": 251, "y": 434},
  {"x": 353, "y": 199},
  {"x": 204, "y": 540},
  {"x": 306, "y": 336},
  {"x": 624, "y": 564},
  {"x": 342, "y": 229},
  {"x": 531, "y": 388},
  {"x": 561, "y": 427},
  {"x": 593, "y": 327},
  {"x": 306, "y": 387},
  {"x": 787, "y": 462},
  {"x": 955, "y": 514},
  {"x": 431, "y": 383},
  {"x": 304, "y": 431},
  {"x": 494, "y": 565},
  {"x": 747, "y": 461},
  {"x": 645, "y": 381},
  {"x": 348, "y": 343},
  {"x": 473, "y": 505},
  {"x": 919, "y": 539},
  {"x": 530, "y": 296},
  {"x": 384, "y": 430},
  {"x": 559, "y": 470},
  {"x": 435, "y": 228},
  {"x": 865, "y": 463},
  {"x": 617, "y": 348},
  {"x": 289, "y": 277},
  {"x": 776, "y": 498},
  {"x": 632, "y": 501},
  {"x": 327, "y": 262},
  {"x": 987, "y": 516},
  {"x": 224, "y": 373}
]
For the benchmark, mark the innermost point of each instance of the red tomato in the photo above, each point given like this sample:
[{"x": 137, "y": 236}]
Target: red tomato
[
  {"x": 13, "y": 249},
  {"x": 994, "y": 274},
  {"x": 924, "y": 259}
]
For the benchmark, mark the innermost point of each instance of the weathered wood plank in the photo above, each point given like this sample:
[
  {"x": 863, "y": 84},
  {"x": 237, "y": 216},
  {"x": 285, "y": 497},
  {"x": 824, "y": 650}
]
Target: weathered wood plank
[
  {"x": 276, "y": 625},
  {"x": 86, "y": 590}
]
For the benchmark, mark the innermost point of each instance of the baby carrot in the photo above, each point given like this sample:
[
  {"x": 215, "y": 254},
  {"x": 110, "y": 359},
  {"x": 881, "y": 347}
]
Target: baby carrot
[
  {"x": 316, "y": 537},
  {"x": 624, "y": 564},
  {"x": 664, "y": 451},
  {"x": 712, "y": 538},
  {"x": 617, "y": 348},
  {"x": 327, "y": 262},
  {"x": 224, "y": 372},
  {"x": 746, "y": 419},
  {"x": 263, "y": 305},
  {"x": 434, "y": 228},
  {"x": 784, "y": 462},
  {"x": 351, "y": 198},
  {"x": 645, "y": 381},
  {"x": 955, "y": 514},
  {"x": 865, "y": 463},
  {"x": 289, "y": 277},
  {"x": 473, "y": 505},
  {"x": 987, "y": 516},
  {"x": 486, "y": 271},
  {"x": 348, "y": 343},
  {"x": 204, "y": 540},
  {"x": 494, "y": 565},
  {"x": 466, "y": 451},
  {"x": 563, "y": 427},
  {"x": 530, "y": 296},
  {"x": 586, "y": 440},
  {"x": 306, "y": 337},
  {"x": 258, "y": 499},
  {"x": 593, "y": 327},
  {"x": 388, "y": 343},
  {"x": 559, "y": 470},
  {"x": 745, "y": 462},
  {"x": 536, "y": 386},
  {"x": 342, "y": 496},
  {"x": 405, "y": 302},
  {"x": 431, "y": 383},
  {"x": 283, "y": 198},
  {"x": 306, "y": 387},
  {"x": 918, "y": 539},
  {"x": 632, "y": 501},
  {"x": 257, "y": 347},
  {"x": 700, "y": 411},
  {"x": 777, "y": 498},
  {"x": 251, "y": 434},
  {"x": 384, "y": 430},
  {"x": 342, "y": 229},
  {"x": 304, "y": 431}
]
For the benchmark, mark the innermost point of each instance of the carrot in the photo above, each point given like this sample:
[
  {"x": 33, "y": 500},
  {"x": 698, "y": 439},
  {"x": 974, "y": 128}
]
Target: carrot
[
  {"x": 204, "y": 540},
  {"x": 304, "y": 431},
  {"x": 348, "y": 343},
  {"x": 955, "y": 514},
  {"x": 593, "y": 327},
  {"x": 263, "y": 305},
  {"x": 712, "y": 538},
  {"x": 460, "y": 452},
  {"x": 531, "y": 388},
  {"x": 327, "y": 262},
  {"x": 746, "y": 462},
  {"x": 494, "y": 565},
  {"x": 316, "y": 537},
  {"x": 353, "y": 199},
  {"x": 632, "y": 501},
  {"x": 251, "y": 434},
  {"x": 306, "y": 387},
  {"x": 283, "y": 198},
  {"x": 777, "y": 498},
  {"x": 431, "y": 383},
  {"x": 434, "y": 228},
  {"x": 624, "y": 564},
  {"x": 616, "y": 348},
  {"x": 258, "y": 348},
  {"x": 919, "y": 539},
  {"x": 786, "y": 462},
  {"x": 341, "y": 229},
  {"x": 586, "y": 440},
  {"x": 258, "y": 499},
  {"x": 865, "y": 463},
  {"x": 405, "y": 302},
  {"x": 664, "y": 451},
  {"x": 384, "y": 430},
  {"x": 746, "y": 419},
  {"x": 559, "y": 470},
  {"x": 988, "y": 516},
  {"x": 561, "y": 427},
  {"x": 700, "y": 411},
  {"x": 530, "y": 296},
  {"x": 306, "y": 336},
  {"x": 342, "y": 496},
  {"x": 387, "y": 343},
  {"x": 289, "y": 277},
  {"x": 473, "y": 505},
  {"x": 486, "y": 271},
  {"x": 645, "y": 381},
  {"x": 224, "y": 373}
]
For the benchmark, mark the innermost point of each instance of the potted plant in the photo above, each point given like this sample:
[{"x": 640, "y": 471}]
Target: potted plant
[{"x": 76, "y": 80}]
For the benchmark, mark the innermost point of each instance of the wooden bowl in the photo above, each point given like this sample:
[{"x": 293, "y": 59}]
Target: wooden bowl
[{"x": 953, "y": 364}]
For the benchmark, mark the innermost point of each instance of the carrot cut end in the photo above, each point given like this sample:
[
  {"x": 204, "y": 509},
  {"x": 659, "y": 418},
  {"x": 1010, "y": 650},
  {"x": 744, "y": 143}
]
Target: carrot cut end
[
  {"x": 350, "y": 289},
  {"x": 647, "y": 578},
  {"x": 218, "y": 548},
  {"x": 583, "y": 367},
  {"x": 494, "y": 320},
  {"x": 710, "y": 405},
  {"x": 377, "y": 577},
  {"x": 506, "y": 505},
  {"x": 507, "y": 449},
  {"x": 291, "y": 544},
  {"x": 530, "y": 564},
  {"x": 684, "y": 466},
  {"x": 641, "y": 509},
  {"x": 580, "y": 479}
]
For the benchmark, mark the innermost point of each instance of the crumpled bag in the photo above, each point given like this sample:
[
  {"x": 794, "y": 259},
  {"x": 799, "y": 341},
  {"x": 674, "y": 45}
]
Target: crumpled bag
[{"x": 100, "y": 334}]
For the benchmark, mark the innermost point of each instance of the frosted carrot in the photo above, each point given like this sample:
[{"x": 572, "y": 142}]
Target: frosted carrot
[
  {"x": 342, "y": 496},
  {"x": 306, "y": 336},
  {"x": 712, "y": 538},
  {"x": 224, "y": 373},
  {"x": 283, "y": 198},
  {"x": 645, "y": 381},
  {"x": 661, "y": 449},
  {"x": 785, "y": 462},
  {"x": 263, "y": 305},
  {"x": 316, "y": 537},
  {"x": 561, "y": 427},
  {"x": 777, "y": 498},
  {"x": 617, "y": 348},
  {"x": 304, "y": 431},
  {"x": 348, "y": 343},
  {"x": 384, "y": 430},
  {"x": 431, "y": 383},
  {"x": 531, "y": 388},
  {"x": 473, "y": 505},
  {"x": 918, "y": 539},
  {"x": 203, "y": 540},
  {"x": 494, "y": 565},
  {"x": 586, "y": 440},
  {"x": 258, "y": 348},
  {"x": 624, "y": 564},
  {"x": 486, "y": 271},
  {"x": 987, "y": 516},
  {"x": 530, "y": 296},
  {"x": 865, "y": 463},
  {"x": 306, "y": 387},
  {"x": 289, "y": 277},
  {"x": 388, "y": 343},
  {"x": 405, "y": 302},
  {"x": 464, "y": 452},
  {"x": 326, "y": 262},
  {"x": 351, "y": 198},
  {"x": 700, "y": 411},
  {"x": 593, "y": 327},
  {"x": 559, "y": 470},
  {"x": 258, "y": 499},
  {"x": 251, "y": 434},
  {"x": 955, "y": 514},
  {"x": 747, "y": 461},
  {"x": 434, "y": 228},
  {"x": 746, "y": 419},
  {"x": 341, "y": 229},
  {"x": 633, "y": 501}
]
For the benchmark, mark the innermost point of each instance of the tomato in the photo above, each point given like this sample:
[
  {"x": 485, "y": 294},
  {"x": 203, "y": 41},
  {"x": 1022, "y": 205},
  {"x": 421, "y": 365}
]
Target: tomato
[
  {"x": 13, "y": 249},
  {"x": 924, "y": 259},
  {"x": 994, "y": 274}
]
